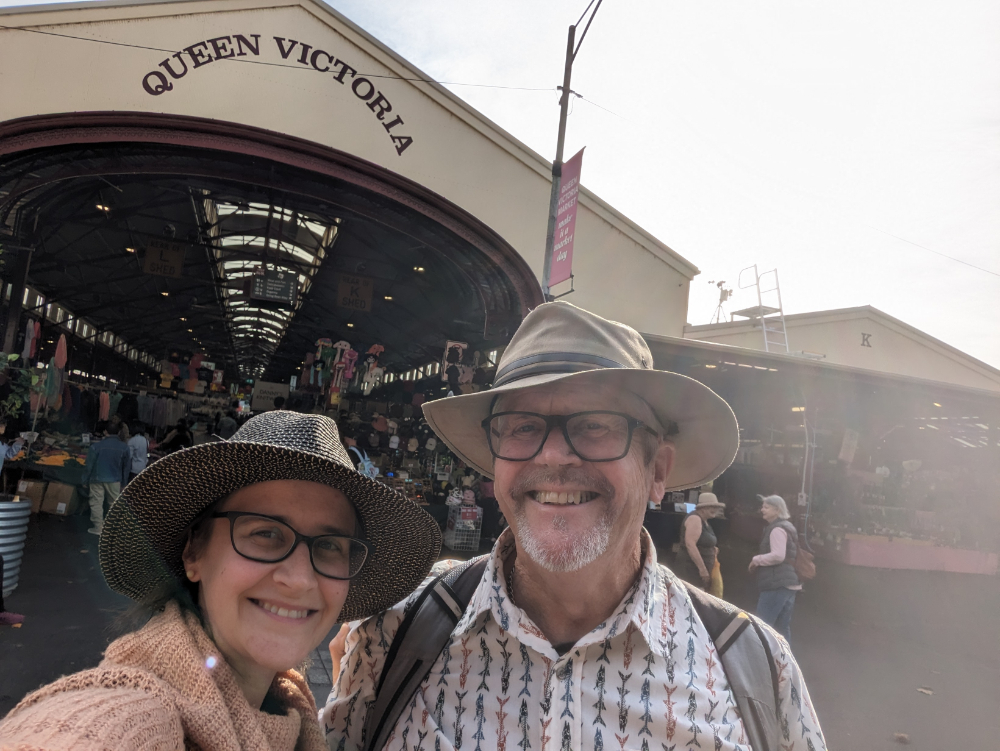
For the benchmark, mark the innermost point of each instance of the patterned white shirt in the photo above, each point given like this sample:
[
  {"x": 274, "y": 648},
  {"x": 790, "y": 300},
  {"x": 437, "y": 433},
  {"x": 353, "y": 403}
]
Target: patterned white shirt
[{"x": 647, "y": 678}]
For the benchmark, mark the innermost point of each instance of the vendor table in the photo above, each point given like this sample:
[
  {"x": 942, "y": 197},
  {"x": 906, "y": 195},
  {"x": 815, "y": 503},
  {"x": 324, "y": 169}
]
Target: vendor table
[
  {"x": 70, "y": 473},
  {"x": 899, "y": 553}
]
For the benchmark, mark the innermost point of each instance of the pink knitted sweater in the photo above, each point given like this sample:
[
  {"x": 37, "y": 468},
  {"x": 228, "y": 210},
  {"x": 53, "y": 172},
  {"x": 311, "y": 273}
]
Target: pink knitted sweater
[{"x": 154, "y": 691}]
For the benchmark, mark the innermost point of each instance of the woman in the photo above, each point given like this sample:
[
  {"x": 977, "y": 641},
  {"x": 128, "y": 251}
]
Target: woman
[
  {"x": 138, "y": 448},
  {"x": 698, "y": 552},
  {"x": 210, "y": 538},
  {"x": 776, "y": 577}
]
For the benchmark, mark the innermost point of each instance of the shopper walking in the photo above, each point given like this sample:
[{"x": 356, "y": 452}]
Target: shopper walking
[
  {"x": 245, "y": 554},
  {"x": 776, "y": 578},
  {"x": 138, "y": 446},
  {"x": 699, "y": 550},
  {"x": 107, "y": 469}
]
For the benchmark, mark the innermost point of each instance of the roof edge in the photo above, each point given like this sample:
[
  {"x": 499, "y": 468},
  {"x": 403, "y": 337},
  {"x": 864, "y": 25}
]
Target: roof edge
[
  {"x": 730, "y": 350},
  {"x": 452, "y": 102}
]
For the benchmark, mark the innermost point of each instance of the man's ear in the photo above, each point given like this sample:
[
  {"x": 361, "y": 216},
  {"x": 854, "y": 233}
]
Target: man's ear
[{"x": 663, "y": 463}]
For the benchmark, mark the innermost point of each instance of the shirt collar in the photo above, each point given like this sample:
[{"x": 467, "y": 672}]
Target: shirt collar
[{"x": 640, "y": 610}]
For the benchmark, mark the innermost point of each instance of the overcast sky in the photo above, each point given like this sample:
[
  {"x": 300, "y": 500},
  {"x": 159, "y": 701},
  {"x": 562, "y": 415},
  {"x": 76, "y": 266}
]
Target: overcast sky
[{"x": 796, "y": 135}]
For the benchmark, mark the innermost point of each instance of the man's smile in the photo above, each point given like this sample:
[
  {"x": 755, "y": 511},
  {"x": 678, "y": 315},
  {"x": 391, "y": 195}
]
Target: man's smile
[{"x": 565, "y": 498}]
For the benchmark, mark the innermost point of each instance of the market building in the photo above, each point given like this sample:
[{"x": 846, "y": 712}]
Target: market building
[
  {"x": 884, "y": 440},
  {"x": 219, "y": 201}
]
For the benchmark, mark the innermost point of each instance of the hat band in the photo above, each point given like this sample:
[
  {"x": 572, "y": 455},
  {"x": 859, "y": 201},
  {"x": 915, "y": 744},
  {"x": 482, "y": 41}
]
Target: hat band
[{"x": 551, "y": 362}]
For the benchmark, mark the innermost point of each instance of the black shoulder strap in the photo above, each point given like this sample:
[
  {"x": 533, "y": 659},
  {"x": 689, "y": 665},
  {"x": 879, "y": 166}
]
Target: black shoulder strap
[
  {"x": 743, "y": 650},
  {"x": 418, "y": 642}
]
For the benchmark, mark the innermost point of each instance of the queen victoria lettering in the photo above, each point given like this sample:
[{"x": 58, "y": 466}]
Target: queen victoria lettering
[{"x": 162, "y": 79}]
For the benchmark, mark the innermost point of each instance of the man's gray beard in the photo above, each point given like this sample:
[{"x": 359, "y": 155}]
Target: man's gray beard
[{"x": 587, "y": 549}]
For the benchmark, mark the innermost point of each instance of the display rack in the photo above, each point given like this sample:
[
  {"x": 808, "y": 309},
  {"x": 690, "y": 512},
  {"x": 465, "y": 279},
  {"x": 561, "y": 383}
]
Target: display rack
[{"x": 464, "y": 527}]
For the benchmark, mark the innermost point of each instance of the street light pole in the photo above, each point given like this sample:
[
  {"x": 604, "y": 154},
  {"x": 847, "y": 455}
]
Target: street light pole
[{"x": 550, "y": 232}]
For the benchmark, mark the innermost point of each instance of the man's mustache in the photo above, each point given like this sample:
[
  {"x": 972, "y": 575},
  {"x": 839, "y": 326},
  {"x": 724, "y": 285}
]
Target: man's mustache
[{"x": 569, "y": 477}]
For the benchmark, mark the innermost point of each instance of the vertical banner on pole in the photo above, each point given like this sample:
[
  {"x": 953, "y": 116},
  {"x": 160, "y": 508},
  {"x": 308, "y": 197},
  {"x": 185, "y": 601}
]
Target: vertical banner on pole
[{"x": 562, "y": 249}]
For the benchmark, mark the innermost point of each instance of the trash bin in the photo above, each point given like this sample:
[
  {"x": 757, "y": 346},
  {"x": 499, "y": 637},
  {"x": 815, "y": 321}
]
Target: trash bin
[{"x": 13, "y": 531}]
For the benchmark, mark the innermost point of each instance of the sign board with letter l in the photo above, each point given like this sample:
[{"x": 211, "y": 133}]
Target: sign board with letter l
[
  {"x": 164, "y": 258},
  {"x": 562, "y": 249}
]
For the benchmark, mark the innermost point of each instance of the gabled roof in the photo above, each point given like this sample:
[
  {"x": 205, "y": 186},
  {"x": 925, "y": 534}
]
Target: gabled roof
[
  {"x": 106, "y": 10},
  {"x": 986, "y": 374}
]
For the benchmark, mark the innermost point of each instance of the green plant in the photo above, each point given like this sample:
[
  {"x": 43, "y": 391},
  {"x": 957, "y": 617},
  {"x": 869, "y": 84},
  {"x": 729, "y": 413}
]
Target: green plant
[{"x": 22, "y": 381}]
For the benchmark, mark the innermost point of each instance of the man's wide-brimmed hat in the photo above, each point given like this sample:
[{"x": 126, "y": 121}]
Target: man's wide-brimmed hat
[
  {"x": 145, "y": 530},
  {"x": 561, "y": 342}
]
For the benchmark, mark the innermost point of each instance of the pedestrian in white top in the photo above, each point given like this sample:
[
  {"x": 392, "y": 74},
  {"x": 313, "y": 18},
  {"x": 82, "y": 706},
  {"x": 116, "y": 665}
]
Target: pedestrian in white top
[
  {"x": 777, "y": 580},
  {"x": 138, "y": 448},
  {"x": 574, "y": 636}
]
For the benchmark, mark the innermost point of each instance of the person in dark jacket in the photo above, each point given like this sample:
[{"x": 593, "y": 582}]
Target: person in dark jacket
[
  {"x": 776, "y": 578},
  {"x": 178, "y": 438},
  {"x": 107, "y": 469}
]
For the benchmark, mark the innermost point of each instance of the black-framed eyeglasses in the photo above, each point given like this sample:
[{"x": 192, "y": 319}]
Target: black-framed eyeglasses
[
  {"x": 266, "y": 539},
  {"x": 595, "y": 436}
]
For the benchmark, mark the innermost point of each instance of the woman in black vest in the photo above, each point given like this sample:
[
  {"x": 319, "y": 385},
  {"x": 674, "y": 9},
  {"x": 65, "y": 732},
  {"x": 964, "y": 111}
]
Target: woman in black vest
[
  {"x": 776, "y": 577},
  {"x": 698, "y": 549}
]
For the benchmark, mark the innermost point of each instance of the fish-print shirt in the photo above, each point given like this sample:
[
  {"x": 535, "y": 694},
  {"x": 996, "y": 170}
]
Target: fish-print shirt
[{"x": 647, "y": 678}]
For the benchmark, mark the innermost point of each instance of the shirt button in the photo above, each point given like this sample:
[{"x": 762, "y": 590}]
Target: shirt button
[{"x": 562, "y": 673}]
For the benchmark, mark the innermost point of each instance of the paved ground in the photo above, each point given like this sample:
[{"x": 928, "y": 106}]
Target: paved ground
[{"x": 866, "y": 640}]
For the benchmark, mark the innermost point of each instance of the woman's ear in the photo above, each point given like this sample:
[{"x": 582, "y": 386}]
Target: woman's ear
[{"x": 190, "y": 559}]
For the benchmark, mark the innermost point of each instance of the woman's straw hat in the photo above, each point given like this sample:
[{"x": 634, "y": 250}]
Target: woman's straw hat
[
  {"x": 708, "y": 500},
  {"x": 144, "y": 532}
]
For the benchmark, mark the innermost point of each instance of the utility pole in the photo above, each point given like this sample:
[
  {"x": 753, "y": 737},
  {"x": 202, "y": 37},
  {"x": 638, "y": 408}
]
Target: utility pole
[{"x": 550, "y": 232}]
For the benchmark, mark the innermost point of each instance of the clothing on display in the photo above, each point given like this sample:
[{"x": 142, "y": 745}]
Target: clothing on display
[{"x": 105, "y": 410}]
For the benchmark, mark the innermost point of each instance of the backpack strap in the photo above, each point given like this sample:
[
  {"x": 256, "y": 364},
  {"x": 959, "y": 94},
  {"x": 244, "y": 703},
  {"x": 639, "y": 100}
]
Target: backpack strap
[
  {"x": 426, "y": 628},
  {"x": 748, "y": 662}
]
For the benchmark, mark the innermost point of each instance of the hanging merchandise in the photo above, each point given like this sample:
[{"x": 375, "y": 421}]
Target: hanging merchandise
[
  {"x": 373, "y": 373},
  {"x": 366, "y": 467},
  {"x": 350, "y": 360},
  {"x": 61, "y": 352},
  {"x": 105, "y": 411},
  {"x": 453, "y": 354},
  {"x": 29, "y": 337},
  {"x": 53, "y": 383},
  {"x": 34, "y": 341},
  {"x": 324, "y": 348},
  {"x": 340, "y": 348},
  {"x": 338, "y": 375}
]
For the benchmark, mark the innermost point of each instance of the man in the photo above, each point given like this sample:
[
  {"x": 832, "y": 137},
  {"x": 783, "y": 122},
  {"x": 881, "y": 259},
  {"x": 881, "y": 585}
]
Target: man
[
  {"x": 227, "y": 426},
  {"x": 108, "y": 464},
  {"x": 575, "y": 637}
]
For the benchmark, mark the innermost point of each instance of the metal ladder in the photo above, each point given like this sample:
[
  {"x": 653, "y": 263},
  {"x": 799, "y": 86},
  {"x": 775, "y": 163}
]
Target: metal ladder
[{"x": 772, "y": 317}]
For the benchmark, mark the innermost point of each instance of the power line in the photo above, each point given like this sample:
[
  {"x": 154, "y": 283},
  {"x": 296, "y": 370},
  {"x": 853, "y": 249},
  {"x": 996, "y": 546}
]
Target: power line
[
  {"x": 277, "y": 65},
  {"x": 590, "y": 101},
  {"x": 935, "y": 252}
]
